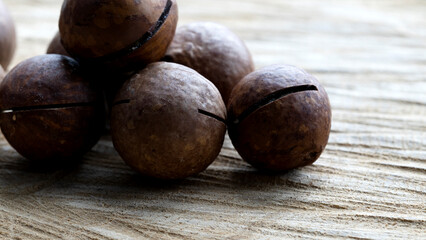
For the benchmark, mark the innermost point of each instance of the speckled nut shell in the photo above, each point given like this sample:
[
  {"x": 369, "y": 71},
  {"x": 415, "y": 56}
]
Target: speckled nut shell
[
  {"x": 168, "y": 121},
  {"x": 7, "y": 36},
  {"x": 55, "y": 46},
  {"x": 48, "y": 111},
  {"x": 213, "y": 51},
  {"x": 118, "y": 33},
  {"x": 280, "y": 118}
]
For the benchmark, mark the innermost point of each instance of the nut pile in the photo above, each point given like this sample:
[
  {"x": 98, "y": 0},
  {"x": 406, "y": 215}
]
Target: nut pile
[{"x": 169, "y": 94}]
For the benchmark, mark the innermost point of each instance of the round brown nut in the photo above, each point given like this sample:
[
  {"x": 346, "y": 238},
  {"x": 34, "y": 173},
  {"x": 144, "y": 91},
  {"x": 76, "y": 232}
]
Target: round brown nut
[
  {"x": 280, "y": 118},
  {"x": 7, "y": 36},
  {"x": 48, "y": 111},
  {"x": 167, "y": 121},
  {"x": 56, "y": 47},
  {"x": 120, "y": 34},
  {"x": 213, "y": 51}
]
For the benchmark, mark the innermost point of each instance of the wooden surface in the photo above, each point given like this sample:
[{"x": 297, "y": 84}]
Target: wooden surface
[{"x": 370, "y": 183}]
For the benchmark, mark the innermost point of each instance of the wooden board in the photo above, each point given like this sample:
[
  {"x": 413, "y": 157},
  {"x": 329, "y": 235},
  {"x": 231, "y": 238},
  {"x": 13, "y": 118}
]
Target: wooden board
[{"x": 370, "y": 183}]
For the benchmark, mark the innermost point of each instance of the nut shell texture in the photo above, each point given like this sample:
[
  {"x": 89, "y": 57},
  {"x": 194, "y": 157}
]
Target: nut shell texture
[
  {"x": 108, "y": 32},
  {"x": 56, "y": 47},
  {"x": 213, "y": 51},
  {"x": 48, "y": 111},
  {"x": 7, "y": 36},
  {"x": 284, "y": 133},
  {"x": 40, "y": 81},
  {"x": 156, "y": 125}
]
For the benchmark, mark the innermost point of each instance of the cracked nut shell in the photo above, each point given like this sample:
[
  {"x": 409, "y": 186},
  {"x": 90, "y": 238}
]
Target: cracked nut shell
[
  {"x": 213, "y": 51},
  {"x": 56, "y": 47},
  {"x": 118, "y": 33},
  {"x": 167, "y": 121},
  {"x": 280, "y": 118},
  {"x": 7, "y": 36},
  {"x": 48, "y": 111}
]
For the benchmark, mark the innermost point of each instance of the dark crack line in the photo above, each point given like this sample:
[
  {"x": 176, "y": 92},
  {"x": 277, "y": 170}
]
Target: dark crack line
[
  {"x": 125, "y": 101},
  {"x": 271, "y": 98},
  {"x": 209, "y": 114},
  {"x": 140, "y": 42},
  {"x": 47, "y": 107}
]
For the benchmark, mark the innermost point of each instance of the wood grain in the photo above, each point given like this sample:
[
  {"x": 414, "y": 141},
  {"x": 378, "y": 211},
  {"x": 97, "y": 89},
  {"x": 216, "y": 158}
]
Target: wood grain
[{"x": 369, "y": 184}]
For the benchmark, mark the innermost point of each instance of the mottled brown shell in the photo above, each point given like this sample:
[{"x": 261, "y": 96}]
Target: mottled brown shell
[
  {"x": 48, "y": 111},
  {"x": 119, "y": 34},
  {"x": 213, "y": 51},
  {"x": 56, "y": 47},
  {"x": 7, "y": 36},
  {"x": 45, "y": 80},
  {"x": 168, "y": 121},
  {"x": 280, "y": 118}
]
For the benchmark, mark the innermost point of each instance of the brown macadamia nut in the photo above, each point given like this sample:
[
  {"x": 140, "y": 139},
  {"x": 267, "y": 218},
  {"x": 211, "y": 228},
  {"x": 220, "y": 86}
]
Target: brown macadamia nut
[
  {"x": 56, "y": 47},
  {"x": 167, "y": 121},
  {"x": 48, "y": 111},
  {"x": 280, "y": 118},
  {"x": 118, "y": 33},
  {"x": 213, "y": 51},
  {"x": 7, "y": 36}
]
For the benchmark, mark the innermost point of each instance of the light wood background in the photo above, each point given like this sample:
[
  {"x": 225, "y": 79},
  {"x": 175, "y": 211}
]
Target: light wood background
[{"x": 370, "y": 183}]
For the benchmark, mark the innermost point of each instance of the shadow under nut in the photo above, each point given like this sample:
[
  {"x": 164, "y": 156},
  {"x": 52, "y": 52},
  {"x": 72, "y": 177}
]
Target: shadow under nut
[{"x": 156, "y": 124}]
